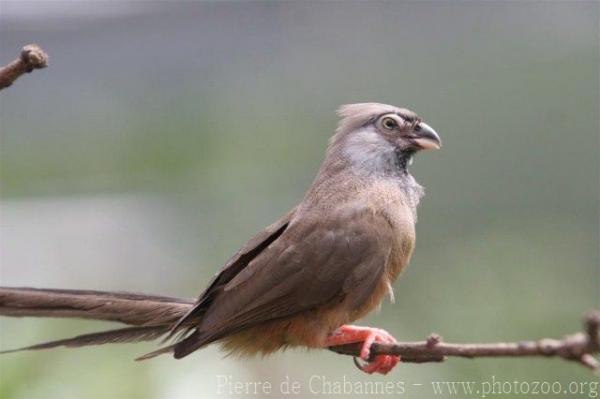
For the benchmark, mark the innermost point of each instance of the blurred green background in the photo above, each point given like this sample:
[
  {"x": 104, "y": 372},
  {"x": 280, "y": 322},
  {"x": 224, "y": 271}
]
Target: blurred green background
[{"x": 163, "y": 135}]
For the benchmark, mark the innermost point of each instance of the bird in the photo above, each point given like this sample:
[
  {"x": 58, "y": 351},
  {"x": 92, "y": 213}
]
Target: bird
[{"x": 302, "y": 281}]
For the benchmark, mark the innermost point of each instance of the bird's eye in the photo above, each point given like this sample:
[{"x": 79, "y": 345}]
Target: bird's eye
[{"x": 389, "y": 123}]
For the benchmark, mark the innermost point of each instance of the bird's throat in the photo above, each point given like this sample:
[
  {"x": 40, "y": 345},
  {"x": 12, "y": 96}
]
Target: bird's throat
[{"x": 404, "y": 160}]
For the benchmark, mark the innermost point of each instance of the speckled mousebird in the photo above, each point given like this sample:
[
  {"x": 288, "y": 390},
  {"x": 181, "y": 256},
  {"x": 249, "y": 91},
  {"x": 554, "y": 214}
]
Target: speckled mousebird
[{"x": 326, "y": 263}]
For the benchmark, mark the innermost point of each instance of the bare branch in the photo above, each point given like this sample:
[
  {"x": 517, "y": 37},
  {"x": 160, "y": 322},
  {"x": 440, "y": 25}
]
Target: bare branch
[
  {"x": 152, "y": 310},
  {"x": 579, "y": 347},
  {"x": 32, "y": 57}
]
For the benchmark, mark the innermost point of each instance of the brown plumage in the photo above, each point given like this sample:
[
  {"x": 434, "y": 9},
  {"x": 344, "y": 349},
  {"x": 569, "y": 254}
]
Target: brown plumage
[
  {"x": 327, "y": 262},
  {"x": 123, "y": 307},
  {"x": 151, "y": 316}
]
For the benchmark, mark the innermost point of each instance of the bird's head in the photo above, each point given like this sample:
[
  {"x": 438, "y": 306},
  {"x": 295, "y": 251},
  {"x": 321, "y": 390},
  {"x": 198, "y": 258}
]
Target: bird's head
[{"x": 381, "y": 138}]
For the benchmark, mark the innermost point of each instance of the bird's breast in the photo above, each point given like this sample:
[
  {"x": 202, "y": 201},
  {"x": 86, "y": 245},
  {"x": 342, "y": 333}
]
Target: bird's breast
[{"x": 399, "y": 209}]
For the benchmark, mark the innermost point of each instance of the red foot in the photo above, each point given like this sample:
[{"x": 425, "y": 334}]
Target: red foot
[{"x": 367, "y": 335}]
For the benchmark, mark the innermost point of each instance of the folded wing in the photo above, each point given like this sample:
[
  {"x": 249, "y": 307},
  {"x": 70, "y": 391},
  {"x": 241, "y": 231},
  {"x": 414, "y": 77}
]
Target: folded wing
[{"x": 308, "y": 264}]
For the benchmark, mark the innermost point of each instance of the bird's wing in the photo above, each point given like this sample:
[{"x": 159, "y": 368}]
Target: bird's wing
[
  {"x": 233, "y": 266},
  {"x": 313, "y": 262}
]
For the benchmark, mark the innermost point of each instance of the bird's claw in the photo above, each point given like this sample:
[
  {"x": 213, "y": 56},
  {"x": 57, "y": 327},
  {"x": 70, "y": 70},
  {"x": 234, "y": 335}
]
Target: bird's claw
[{"x": 382, "y": 364}]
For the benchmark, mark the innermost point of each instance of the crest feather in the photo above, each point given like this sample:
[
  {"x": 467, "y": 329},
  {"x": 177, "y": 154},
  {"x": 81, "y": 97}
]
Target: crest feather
[{"x": 355, "y": 115}]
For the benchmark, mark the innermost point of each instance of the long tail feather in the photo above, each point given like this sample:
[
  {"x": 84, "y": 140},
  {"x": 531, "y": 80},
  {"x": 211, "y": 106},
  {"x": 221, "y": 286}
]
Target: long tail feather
[
  {"x": 118, "y": 336},
  {"x": 150, "y": 316},
  {"x": 127, "y": 308}
]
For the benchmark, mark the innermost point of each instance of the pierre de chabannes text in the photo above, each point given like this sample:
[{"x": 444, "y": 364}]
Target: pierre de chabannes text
[{"x": 322, "y": 385}]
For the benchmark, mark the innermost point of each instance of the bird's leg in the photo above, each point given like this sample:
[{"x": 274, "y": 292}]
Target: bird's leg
[{"x": 349, "y": 334}]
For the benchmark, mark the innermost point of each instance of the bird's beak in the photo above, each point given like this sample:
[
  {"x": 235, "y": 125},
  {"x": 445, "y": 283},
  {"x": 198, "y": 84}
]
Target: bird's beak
[{"x": 425, "y": 137}]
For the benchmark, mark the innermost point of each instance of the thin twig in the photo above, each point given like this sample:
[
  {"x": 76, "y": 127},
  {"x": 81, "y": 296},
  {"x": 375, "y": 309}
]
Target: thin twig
[
  {"x": 142, "y": 309},
  {"x": 32, "y": 57},
  {"x": 579, "y": 347}
]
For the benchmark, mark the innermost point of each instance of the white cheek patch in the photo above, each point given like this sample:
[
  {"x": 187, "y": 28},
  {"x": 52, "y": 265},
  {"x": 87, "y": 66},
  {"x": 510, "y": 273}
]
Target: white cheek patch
[{"x": 369, "y": 152}]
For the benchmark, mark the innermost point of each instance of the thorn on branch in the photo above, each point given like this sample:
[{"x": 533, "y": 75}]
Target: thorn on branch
[
  {"x": 433, "y": 340},
  {"x": 31, "y": 57},
  {"x": 592, "y": 322}
]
